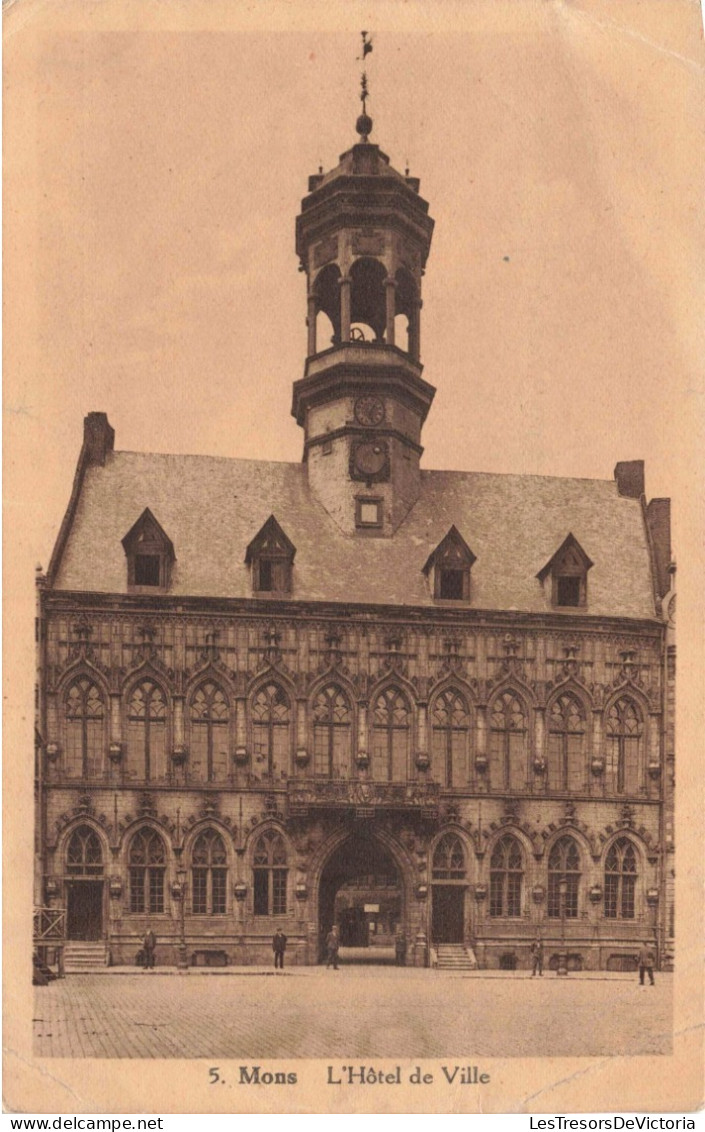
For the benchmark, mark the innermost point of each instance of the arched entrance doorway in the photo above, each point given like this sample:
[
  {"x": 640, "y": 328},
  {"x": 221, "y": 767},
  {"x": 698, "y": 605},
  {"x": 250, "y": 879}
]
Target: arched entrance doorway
[
  {"x": 361, "y": 890},
  {"x": 84, "y": 885},
  {"x": 449, "y": 888}
]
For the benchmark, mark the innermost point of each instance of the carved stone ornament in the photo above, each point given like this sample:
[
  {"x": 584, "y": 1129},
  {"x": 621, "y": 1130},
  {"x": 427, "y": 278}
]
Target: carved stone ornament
[
  {"x": 595, "y": 893},
  {"x": 115, "y": 886},
  {"x": 597, "y": 765},
  {"x": 179, "y": 754},
  {"x": 301, "y": 890},
  {"x": 53, "y": 751},
  {"x": 302, "y": 757},
  {"x": 115, "y": 753},
  {"x": 422, "y": 760},
  {"x": 539, "y": 764},
  {"x": 240, "y": 890},
  {"x": 626, "y": 815},
  {"x": 241, "y": 756},
  {"x": 629, "y": 669},
  {"x": 569, "y": 812},
  {"x": 538, "y": 894},
  {"x": 325, "y": 251},
  {"x": 652, "y": 895},
  {"x": 481, "y": 763},
  {"x": 654, "y": 769},
  {"x": 52, "y": 887},
  {"x": 146, "y": 806},
  {"x": 362, "y": 760},
  {"x": 421, "y": 891},
  {"x": 368, "y": 243},
  {"x": 480, "y": 892}
]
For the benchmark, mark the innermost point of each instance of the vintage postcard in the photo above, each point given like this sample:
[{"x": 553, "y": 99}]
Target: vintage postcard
[{"x": 353, "y": 432}]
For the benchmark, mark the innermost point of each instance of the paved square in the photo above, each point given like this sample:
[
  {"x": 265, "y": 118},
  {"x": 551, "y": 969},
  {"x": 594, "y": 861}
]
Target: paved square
[{"x": 354, "y": 1012}]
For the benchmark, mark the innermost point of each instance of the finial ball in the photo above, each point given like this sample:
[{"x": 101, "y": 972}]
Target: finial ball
[{"x": 364, "y": 125}]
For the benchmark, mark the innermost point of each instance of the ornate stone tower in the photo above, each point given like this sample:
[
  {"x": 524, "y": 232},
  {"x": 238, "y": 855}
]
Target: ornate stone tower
[{"x": 363, "y": 237}]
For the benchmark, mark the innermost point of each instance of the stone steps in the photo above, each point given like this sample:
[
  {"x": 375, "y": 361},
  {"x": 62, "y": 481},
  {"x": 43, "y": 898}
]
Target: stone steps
[
  {"x": 455, "y": 957},
  {"x": 83, "y": 956}
]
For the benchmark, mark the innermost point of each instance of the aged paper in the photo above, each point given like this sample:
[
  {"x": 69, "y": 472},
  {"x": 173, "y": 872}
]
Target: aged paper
[{"x": 155, "y": 158}]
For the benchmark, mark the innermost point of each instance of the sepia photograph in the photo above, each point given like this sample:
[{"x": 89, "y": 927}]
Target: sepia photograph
[{"x": 351, "y": 438}]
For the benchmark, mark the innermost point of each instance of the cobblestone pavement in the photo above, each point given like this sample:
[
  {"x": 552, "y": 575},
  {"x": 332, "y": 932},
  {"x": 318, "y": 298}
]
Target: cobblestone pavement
[{"x": 354, "y": 1012}]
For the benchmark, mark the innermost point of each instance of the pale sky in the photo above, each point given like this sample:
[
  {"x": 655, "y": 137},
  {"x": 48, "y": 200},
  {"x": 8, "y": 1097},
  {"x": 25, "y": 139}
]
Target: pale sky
[{"x": 156, "y": 159}]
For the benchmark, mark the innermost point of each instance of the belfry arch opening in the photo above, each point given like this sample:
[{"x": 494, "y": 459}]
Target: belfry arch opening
[
  {"x": 406, "y": 318},
  {"x": 324, "y": 310},
  {"x": 361, "y": 891},
  {"x": 368, "y": 310}
]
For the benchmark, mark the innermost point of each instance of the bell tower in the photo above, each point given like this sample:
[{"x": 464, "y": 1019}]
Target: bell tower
[{"x": 363, "y": 236}]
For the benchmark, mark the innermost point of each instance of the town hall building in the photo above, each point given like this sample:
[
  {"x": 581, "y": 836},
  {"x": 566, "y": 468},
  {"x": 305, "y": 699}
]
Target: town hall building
[{"x": 433, "y": 708}]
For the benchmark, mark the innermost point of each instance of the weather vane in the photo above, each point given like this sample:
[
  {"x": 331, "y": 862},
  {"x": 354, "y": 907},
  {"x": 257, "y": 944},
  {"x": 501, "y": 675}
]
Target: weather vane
[{"x": 364, "y": 122}]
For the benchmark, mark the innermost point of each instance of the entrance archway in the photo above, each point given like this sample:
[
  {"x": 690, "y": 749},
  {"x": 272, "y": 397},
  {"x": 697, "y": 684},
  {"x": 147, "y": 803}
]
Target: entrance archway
[
  {"x": 448, "y": 891},
  {"x": 361, "y": 890},
  {"x": 84, "y": 885}
]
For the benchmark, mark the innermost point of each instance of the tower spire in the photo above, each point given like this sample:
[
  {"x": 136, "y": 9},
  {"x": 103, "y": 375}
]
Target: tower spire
[{"x": 364, "y": 122}]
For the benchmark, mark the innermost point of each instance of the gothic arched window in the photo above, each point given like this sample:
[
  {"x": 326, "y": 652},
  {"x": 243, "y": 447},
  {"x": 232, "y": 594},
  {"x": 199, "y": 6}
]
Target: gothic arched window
[
  {"x": 391, "y": 727},
  {"x": 84, "y": 729},
  {"x": 563, "y": 864},
  {"x": 147, "y": 866},
  {"x": 332, "y": 731},
  {"x": 449, "y": 858},
  {"x": 269, "y": 875},
  {"x": 209, "y": 875},
  {"x": 506, "y": 877},
  {"x": 508, "y": 743},
  {"x": 625, "y": 731},
  {"x": 146, "y": 731},
  {"x": 209, "y": 719},
  {"x": 620, "y": 880},
  {"x": 84, "y": 856},
  {"x": 567, "y": 729},
  {"x": 271, "y": 731},
  {"x": 450, "y": 723}
]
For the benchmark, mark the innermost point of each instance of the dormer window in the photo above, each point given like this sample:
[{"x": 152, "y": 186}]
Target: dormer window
[
  {"x": 271, "y": 557},
  {"x": 451, "y": 562},
  {"x": 147, "y": 570},
  {"x": 567, "y": 570},
  {"x": 150, "y": 555}
]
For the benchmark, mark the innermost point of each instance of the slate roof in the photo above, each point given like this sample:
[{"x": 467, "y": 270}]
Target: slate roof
[{"x": 211, "y": 508}]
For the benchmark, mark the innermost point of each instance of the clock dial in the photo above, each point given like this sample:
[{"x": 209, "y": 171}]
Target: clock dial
[{"x": 369, "y": 410}]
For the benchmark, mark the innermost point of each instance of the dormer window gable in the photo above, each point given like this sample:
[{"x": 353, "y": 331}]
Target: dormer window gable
[
  {"x": 449, "y": 567},
  {"x": 150, "y": 555},
  {"x": 567, "y": 571},
  {"x": 271, "y": 558}
]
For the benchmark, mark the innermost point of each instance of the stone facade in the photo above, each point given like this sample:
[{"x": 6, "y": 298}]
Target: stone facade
[{"x": 478, "y": 660}]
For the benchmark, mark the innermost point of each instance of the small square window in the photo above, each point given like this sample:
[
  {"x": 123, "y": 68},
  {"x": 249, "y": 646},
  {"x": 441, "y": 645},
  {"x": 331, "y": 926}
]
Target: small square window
[
  {"x": 369, "y": 513},
  {"x": 568, "y": 590},
  {"x": 146, "y": 569}
]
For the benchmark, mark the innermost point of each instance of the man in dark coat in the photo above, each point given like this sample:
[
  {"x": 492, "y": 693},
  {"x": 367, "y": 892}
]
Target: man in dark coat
[
  {"x": 646, "y": 962},
  {"x": 537, "y": 956},
  {"x": 279, "y": 947},
  {"x": 149, "y": 944},
  {"x": 332, "y": 945},
  {"x": 400, "y": 949}
]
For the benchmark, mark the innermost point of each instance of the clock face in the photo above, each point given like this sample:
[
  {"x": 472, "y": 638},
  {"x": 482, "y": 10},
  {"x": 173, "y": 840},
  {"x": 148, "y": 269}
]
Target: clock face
[
  {"x": 370, "y": 458},
  {"x": 369, "y": 410}
]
